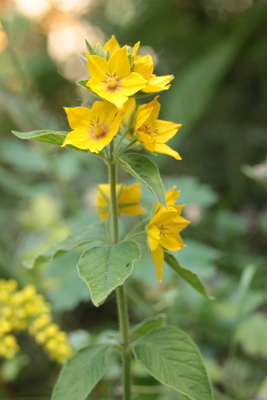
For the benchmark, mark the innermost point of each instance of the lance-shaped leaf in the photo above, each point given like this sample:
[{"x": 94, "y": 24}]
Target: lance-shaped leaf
[
  {"x": 53, "y": 137},
  {"x": 81, "y": 373},
  {"x": 85, "y": 234},
  {"x": 172, "y": 358},
  {"x": 146, "y": 171},
  {"x": 106, "y": 267},
  {"x": 188, "y": 275}
]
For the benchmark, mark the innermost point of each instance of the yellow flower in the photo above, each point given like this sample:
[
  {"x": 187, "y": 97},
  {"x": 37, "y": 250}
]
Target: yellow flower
[
  {"x": 128, "y": 199},
  {"x": 144, "y": 66},
  {"x": 164, "y": 228},
  {"x": 113, "y": 80},
  {"x": 93, "y": 129},
  {"x": 153, "y": 133},
  {"x": 112, "y": 46}
]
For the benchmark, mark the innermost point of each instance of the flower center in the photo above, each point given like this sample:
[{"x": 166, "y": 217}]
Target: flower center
[
  {"x": 112, "y": 79},
  {"x": 163, "y": 230},
  {"x": 148, "y": 130},
  {"x": 97, "y": 128},
  {"x": 99, "y": 131},
  {"x": 112, "y": 82}
]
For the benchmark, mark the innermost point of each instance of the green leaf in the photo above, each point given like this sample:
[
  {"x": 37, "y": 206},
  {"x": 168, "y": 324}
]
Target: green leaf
[
  {"x": 171, "y": 357},
  {"x": 81, "y": 373},
  {"x": 85, "y": 234},
  {"x": 106, "y": 267},
  {"x": 47, "y": 136},
  {"x": 90, "y": 48},
  {"x": 82, "y": 83},
  {"x": 200, "y": 258},
  {"x": 52, "y": 137},
  {"x": 147, "y": 325},
  {"x": 188, "y": 275},
  {"x": 146, "y": 171},
  {"x": 83, "y": 59}
]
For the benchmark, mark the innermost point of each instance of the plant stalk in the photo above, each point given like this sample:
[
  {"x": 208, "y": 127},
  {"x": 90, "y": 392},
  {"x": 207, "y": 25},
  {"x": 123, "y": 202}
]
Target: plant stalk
[{"x": 120, "y": 292}]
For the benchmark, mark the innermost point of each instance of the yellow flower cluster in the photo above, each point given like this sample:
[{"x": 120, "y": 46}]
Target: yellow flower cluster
[
  {"x": 117, "y": 73},
  {"x": 25, "y": 309},
  {"x": 117, "y": 76}
]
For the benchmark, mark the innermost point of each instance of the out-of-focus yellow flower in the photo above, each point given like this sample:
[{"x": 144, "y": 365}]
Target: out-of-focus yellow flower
[
  {"x": 8, "y": 346},
  {"x": 25, "y": 309},
  {"x": 164, "y": 228},
  {"x": 93, "y": 128},
  {"x": 113, "y": 79},
  {"x": 144, "y": 66},
  {"x": 128, "y": 199}
]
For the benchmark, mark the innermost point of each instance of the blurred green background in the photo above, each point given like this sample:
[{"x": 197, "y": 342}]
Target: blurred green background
[{"x": 217, "y": 50}]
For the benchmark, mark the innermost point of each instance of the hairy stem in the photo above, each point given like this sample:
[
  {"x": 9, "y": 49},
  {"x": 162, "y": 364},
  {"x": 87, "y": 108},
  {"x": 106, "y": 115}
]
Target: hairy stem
[{"x": 121, "y": 298}]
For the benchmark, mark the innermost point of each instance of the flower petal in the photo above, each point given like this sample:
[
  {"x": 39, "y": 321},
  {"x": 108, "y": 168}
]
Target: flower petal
[
  {"x": 172, "y": 196},
  {"x": 164, "y": 149},
  {"x": 103, "y": 196},
  {"x": 131, "y": 84},
  {"x": 97, "y": 67},
  {"x": 79, "y": 139},
  {"x": 172, "y": 242},
  {"x": 129, "y": 199},
  {"x": 156, "y": 109},
  {"x": 144, "y": 65},
  {"x": 79, "y": 117},
  {"x": 158, "y": 83},
  {"x": 128, "y": 108},
  {"x": 153, "y": 236},
  {"x": 112, "y": 45},
  {"x": 142, "y": 116},
  {"x": 166, "y": 130},
  {"x": 146, "y": 141},
  {"x": 158, "y": 257},
  {"x": 114, "y": 126},
  {"x": 135, "y": 48},
  {"x": 120, "y": 63},
  {"x": 105, "y": 111}
]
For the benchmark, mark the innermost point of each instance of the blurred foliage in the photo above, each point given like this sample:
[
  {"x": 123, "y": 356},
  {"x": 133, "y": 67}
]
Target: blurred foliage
[{"x": 217, "y": 52}]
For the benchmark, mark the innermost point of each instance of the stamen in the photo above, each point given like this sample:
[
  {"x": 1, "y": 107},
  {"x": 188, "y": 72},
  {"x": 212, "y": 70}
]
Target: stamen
[
  {"x": 163, "y": 230},
  {"x": 112, "y": 79},
  {"x": 112, "y": 82},
  {"x": 97, "y": 128},
  {"x": 147, "y": 129}
]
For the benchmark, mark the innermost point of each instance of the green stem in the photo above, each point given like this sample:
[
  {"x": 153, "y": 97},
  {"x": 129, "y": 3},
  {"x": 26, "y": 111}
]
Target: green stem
[
  {"x": 135, "y": 235},
  {"x": 113, "y": 194},
  {"x": 121, "y": 298},
  {"x": 144, "y": 221},
  {"x": 126, "y": 147},
  {"x": 124, "y": 328},
  {"x": 126, "y": 131}
]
